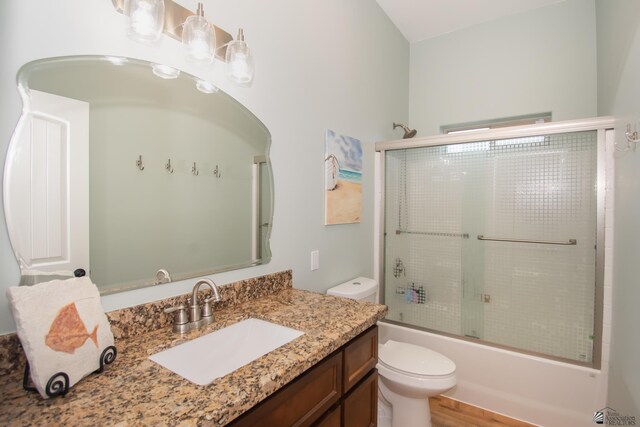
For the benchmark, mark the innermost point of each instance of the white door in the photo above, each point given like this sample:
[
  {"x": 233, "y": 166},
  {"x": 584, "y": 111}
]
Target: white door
[{"x": 47, "y": 186}]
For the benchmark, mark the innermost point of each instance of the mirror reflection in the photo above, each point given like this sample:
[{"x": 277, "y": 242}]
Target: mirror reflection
[{"x": 134, "y": 172}]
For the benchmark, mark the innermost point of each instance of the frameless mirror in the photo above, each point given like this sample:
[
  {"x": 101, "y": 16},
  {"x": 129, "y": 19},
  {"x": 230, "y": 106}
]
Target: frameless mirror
[{"x": 134, "y": 173}]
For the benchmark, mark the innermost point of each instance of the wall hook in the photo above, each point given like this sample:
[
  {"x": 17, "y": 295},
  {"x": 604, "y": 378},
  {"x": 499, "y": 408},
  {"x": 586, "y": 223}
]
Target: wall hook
[
  {"x": 168, "y": 166},
  {"x": 216, "y": 172},
  {"x": 139, "y": 163},
  {"x": 633, "y": 138},
  {"x": 195, "y": 170},
  {"x": 162, "y": 276}
]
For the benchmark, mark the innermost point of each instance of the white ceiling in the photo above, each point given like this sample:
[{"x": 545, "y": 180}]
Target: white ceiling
[{"x": 419, "y": 20}]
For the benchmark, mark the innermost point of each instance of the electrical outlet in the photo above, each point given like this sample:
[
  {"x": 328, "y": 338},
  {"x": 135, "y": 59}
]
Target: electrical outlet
[{"x": 315, "y": 260}]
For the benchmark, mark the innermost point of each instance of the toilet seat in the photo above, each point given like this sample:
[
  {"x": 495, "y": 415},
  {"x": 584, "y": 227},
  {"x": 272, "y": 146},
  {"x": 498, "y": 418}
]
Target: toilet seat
[
  {"x": 415, "y": 361},
  {"x": 414, "y": 371},
  {"x": 410, "y": 374}
]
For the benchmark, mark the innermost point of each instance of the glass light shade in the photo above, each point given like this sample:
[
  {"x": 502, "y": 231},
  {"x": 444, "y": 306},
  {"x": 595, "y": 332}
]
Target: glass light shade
[
  {"x": 239, "y": 62},
  {"x": 206, "y": 87},
  {"x": 146, "y": 20},
  {"x": 199, "y": 40},
  {"x": 165, "y": 72}
]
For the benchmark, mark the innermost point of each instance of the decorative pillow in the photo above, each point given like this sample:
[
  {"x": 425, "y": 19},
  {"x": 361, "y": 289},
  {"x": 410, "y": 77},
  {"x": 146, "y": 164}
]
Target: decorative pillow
[{"x": 63, "y": 330}]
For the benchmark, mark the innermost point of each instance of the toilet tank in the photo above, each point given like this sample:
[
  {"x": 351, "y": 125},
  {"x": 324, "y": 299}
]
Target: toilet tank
[{"x": 360, "y": 288}]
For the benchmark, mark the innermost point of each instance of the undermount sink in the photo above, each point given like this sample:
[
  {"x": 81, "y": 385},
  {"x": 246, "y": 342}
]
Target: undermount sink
[{"x": 219, "y": 353}]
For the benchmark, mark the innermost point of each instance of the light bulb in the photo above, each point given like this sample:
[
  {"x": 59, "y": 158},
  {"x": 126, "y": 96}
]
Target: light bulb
[
  {"x": 198, "y": 38},
  {"x": 239, "y": 69},
  {"x": 199, "y": 49},
  {"x": 146, "y": 19}
]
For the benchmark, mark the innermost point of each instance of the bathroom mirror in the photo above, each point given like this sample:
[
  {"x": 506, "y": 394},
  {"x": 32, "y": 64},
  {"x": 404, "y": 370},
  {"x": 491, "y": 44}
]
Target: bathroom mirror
[{"x": 134, "y": 172}]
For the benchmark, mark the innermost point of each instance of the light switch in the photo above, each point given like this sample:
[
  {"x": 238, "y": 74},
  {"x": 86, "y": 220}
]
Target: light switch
[{"x": 315, "y": 260}]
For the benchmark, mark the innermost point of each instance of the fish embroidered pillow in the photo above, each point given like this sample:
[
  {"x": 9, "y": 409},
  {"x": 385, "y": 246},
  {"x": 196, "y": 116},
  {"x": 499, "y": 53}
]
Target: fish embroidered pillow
[{"x": 62, "y": 327}]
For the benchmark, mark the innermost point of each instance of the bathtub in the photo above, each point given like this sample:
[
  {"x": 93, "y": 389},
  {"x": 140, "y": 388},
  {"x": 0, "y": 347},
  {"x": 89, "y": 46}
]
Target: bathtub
[{"x": 528, "y": 388}]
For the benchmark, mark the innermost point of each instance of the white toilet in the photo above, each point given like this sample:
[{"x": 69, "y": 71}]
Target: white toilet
[{"x": 408, "y": 374}]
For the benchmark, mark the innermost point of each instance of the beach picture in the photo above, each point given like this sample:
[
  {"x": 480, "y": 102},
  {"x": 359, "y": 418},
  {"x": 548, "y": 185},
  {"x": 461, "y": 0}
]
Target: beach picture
[{"x": 343, "y": 179}]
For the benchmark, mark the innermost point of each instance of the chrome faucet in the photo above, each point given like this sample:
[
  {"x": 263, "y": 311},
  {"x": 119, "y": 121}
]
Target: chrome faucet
[{"x": 199, "y": 315}]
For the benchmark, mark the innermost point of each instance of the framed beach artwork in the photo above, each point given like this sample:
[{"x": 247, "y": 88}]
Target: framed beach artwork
[{"x": 343, "y": 179}]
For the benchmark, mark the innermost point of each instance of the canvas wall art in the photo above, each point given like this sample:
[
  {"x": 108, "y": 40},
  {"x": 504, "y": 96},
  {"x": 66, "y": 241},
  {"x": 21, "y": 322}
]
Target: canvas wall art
[{"x": 343, "y": 179}]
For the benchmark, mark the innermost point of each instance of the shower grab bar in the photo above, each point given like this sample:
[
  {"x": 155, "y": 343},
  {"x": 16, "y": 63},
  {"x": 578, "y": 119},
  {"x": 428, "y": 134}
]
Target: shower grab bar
[
  {"x": 432, "y": 233},
  {"x": 570, "y": 242}
]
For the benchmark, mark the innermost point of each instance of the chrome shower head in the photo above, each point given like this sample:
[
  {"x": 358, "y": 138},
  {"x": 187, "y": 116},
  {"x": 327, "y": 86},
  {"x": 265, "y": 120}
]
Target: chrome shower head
[{"x": 408, "y": 133}]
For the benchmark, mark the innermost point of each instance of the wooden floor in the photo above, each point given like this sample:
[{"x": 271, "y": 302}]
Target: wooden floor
[{"x": 446, "y": 412}]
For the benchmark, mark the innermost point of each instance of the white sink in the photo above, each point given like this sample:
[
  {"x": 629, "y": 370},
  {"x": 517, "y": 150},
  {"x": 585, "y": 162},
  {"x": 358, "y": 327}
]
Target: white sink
[{"x": 214, "y": 355}]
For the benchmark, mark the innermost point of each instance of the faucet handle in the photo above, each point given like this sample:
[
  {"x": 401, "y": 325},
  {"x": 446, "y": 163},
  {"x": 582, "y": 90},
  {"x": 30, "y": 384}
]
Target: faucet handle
[
  {"x": 207, "y": 310},
  {"x": 180, "y": 316}
]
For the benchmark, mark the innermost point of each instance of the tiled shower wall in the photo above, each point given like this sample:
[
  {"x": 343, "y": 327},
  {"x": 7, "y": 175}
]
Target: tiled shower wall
[{"x": 530, "y": 296}]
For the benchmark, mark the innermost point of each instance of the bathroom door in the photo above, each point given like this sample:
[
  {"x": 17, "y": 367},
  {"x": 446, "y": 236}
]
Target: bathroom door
[{"x": 47, "y": 201}]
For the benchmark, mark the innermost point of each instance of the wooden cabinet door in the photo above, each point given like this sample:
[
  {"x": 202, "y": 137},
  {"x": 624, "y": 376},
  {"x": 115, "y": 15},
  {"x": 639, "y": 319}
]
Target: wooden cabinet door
[
  {"x": 331, "y": 419},
  {"x": 360, "y": 357},
  {"x": 360, "y": 407}
]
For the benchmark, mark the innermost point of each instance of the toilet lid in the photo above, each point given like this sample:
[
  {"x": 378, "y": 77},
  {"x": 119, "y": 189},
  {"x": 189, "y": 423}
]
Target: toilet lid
[{"x": 414, "y": 359}]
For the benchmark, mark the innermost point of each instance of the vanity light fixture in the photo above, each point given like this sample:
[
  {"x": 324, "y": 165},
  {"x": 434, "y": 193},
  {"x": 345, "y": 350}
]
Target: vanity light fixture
[
  {"x": 198, "y": 38},
  {"x": 146, "y": 20},
  {"x": 239, "y": 60}
]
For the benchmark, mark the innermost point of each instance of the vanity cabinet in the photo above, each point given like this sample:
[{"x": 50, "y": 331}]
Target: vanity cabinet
[{"x": 341, "y": 390}]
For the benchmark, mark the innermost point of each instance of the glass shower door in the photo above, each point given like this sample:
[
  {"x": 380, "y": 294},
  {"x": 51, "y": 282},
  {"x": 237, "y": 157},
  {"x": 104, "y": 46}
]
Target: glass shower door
[
  {"x": 540, "y": 244},
  {"x": 423, "y": 239},
  {"x": 495, "y": 240},
  {"x": 472, "y": 160}
]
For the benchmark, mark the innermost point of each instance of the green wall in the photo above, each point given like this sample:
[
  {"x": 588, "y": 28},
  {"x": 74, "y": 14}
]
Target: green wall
[
  {"x": 619, "y": 95},
  {"x": 543, "y": 60}
]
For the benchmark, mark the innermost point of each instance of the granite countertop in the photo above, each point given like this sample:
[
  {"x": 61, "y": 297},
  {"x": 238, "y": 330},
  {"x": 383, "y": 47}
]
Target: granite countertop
[{"x": 136, "y": 391}]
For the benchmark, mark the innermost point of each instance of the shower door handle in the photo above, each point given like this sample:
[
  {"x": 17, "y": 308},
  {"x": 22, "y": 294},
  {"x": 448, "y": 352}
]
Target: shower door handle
[{"x": 570, "y": 242}]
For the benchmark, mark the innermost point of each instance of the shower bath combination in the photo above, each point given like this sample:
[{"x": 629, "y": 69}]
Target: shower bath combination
[
  {"x": 498, "y": 237},
  {"x": 408, "y": 133}
]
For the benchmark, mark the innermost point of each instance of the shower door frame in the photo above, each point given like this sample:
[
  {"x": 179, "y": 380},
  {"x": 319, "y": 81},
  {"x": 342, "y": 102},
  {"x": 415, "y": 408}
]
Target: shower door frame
[{"x": 602, "y": 125}]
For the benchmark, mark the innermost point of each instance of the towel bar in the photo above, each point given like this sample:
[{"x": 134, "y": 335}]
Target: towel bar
[
  {"x": 433, "y": 233},
  {"x": 570, "y": 242}
]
